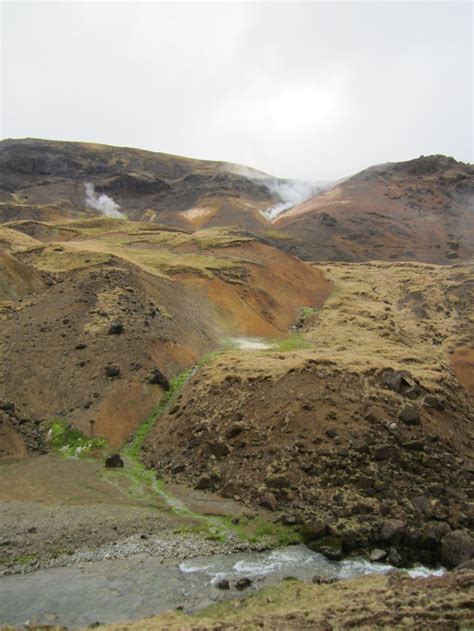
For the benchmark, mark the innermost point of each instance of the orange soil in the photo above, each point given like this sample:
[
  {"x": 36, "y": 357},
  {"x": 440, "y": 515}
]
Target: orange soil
[{"x": 462, "y": 364}]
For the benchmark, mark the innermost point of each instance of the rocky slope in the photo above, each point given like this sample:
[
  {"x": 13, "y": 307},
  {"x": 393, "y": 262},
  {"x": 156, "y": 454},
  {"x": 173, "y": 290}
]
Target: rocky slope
[
  {"x": 361, "y": 434},
  {"x": 47, "y": 180},
  {"x": 99, "y": 315},
  {"x": 420, "y": 210}
]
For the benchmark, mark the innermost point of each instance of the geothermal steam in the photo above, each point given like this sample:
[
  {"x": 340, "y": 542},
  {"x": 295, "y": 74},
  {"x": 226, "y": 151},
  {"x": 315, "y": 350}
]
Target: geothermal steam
[
  {"x": 103, "y": 203},
  {"x": 291, "y": 193}
]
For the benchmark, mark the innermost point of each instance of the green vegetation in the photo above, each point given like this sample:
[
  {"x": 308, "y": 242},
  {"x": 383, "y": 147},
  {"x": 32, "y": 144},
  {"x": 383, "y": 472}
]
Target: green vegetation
[
  {"x": 145, "y": 483},
  {"x": 70, "y": 442},
  {"x": 293, "y": 342},
  {"x": 277, "y": 235},
  {"x": 133, "y": 449},
  {"x": 255, "y": 530},
  {"x": 307, "y": 312},
  {"x": 19, "y": 560}
]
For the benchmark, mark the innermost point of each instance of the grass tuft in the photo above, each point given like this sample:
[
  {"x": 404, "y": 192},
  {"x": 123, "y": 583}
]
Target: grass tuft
[{"x": 70, "y": 442}]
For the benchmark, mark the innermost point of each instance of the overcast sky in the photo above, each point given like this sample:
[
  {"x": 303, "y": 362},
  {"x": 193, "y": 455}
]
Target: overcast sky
[{"x": 310, "y": 90}]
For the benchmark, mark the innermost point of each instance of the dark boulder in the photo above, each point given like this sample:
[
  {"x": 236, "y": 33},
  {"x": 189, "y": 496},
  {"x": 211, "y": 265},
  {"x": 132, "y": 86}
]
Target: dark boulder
[
  {"x": 402, "y": 382},
  {"x": 223, "y": 584},
  {"x": 116, "y": 328},
  {"x": 278, "y": 482},
  {"x": 392, "y": 531},
  {"x": 268, "y": 501},
  {"x": 155, "y": 376},
  {"x": 242, "y": 583},
  {"x": 430, "y": 401},
  {"x": 327, "y": 220},
  {"x": 112, "y": 371},
  {"x": 456, "y": 548},
  {"x": 218, "y": 449},
  {"x": 409, "y": 415},
  {"x": 114, "y": 462}
]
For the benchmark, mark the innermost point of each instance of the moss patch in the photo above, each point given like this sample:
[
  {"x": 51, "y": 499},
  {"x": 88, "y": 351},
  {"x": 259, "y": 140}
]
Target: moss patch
[{"x": 70, "y": 442}]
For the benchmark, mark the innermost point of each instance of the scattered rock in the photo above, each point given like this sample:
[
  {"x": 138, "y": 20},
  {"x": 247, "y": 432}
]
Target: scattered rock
[
  {"x": 114, "y": 462},
  {"x": 431, "y": 401},
  {"x": 409, "y": 415},
  {"x": 392, "y": 531},
  {"x": 268, "y": 501},
  {"x": 155, "y": 376},
  {"x": 116, "y": 328},
  {"x": 402, "y": 382},
  {"x": 242, "y": 583},
  {"x": 234, "y": 430},
  {"x": 223, "y": 584},
  {"x": 278, "y": 482},
  {"x": 456, "y": 548},
  {"x": 112, "y": 371},
  {"x": 384, "y": 452},
  {"x": 327, "y": 220},
  {"x": 323, "y": 580},
  {"x": 377, "y": 555},
  {"x": 207, "y": 482},
  {"x": 218, "y": 449}
]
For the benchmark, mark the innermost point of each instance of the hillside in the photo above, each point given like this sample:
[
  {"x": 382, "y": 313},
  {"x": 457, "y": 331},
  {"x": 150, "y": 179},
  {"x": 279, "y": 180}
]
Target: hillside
[
  {"x": 420, "y": 210},
  {"x": 48, "y": 180},
  {"x": 357, "y": 428},
  {"x": 109, "y": 311}
]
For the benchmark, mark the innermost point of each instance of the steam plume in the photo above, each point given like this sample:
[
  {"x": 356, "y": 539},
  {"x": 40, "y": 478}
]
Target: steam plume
[
  {"x": 103, "y": 203},
  {"x": 291, "y": 193}
]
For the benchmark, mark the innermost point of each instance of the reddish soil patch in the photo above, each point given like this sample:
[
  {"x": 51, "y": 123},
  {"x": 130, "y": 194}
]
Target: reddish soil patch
[
  {"x": 417, "y": 211},
  {"x": 462, "y": 364}
]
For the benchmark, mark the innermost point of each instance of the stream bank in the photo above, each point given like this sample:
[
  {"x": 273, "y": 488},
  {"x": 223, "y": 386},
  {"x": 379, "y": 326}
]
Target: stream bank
[{"x": 128, "y": 589}]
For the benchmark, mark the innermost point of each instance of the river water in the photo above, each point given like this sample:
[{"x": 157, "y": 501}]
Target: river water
[{"x": 128, "y": 589}]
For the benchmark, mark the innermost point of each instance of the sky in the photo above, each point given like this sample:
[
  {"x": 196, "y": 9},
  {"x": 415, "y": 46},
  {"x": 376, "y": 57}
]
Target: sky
[{"x": 312, "y": 90}]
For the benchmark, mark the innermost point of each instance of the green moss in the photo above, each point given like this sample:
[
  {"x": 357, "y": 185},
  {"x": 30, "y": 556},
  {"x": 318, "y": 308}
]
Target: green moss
[
  {"x": 69, "y": 442},
  {"x": 293, "y": 342},
  {"x": 133, "y": 449},
  {"x": 258, "y": 529},
  {"x": 277, "y": 235},
  {"x": 19, "y": 560}
]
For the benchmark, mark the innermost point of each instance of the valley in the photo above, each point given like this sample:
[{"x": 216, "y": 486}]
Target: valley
[{"x": 293, "y": 386}]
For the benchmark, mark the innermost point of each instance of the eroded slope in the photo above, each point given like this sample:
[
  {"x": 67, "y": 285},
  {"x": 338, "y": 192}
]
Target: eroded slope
[
  {"x": 363, "y": 434},
  {"x": 118, "y": 309},
  {"x": 420, "y": 210}
]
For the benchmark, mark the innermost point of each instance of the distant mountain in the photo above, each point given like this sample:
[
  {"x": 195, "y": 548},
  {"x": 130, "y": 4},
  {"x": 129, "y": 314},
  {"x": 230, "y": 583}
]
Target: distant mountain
[
  {"x": 420, "y": 210},
  {"x": 48, "y": 180}
]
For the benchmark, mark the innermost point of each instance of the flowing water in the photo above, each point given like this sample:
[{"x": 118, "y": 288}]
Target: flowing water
[
  {"x": 116, "y": 590},
  {"x": 249, "y": 343}
]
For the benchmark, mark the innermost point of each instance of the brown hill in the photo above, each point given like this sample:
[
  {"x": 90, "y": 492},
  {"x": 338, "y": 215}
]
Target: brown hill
[
  {"x": 359, "y": 429},
  {"x": 99, "y": 315},
  {"x": 46, "y": 180},
  {"x": 420, "y": 210}
]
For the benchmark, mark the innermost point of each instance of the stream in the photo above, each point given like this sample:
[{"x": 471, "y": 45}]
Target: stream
[
  {"x": 129, "y": 589},
  {"x": 116, "y": 590}
]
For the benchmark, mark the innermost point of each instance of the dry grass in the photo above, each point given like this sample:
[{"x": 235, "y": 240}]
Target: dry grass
[
  {"x": 404, "y": 315},
  {"x": 16, "y": 241},
  {"x": 363, "y": 603},
  {"x": 157, "y": 251}
]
